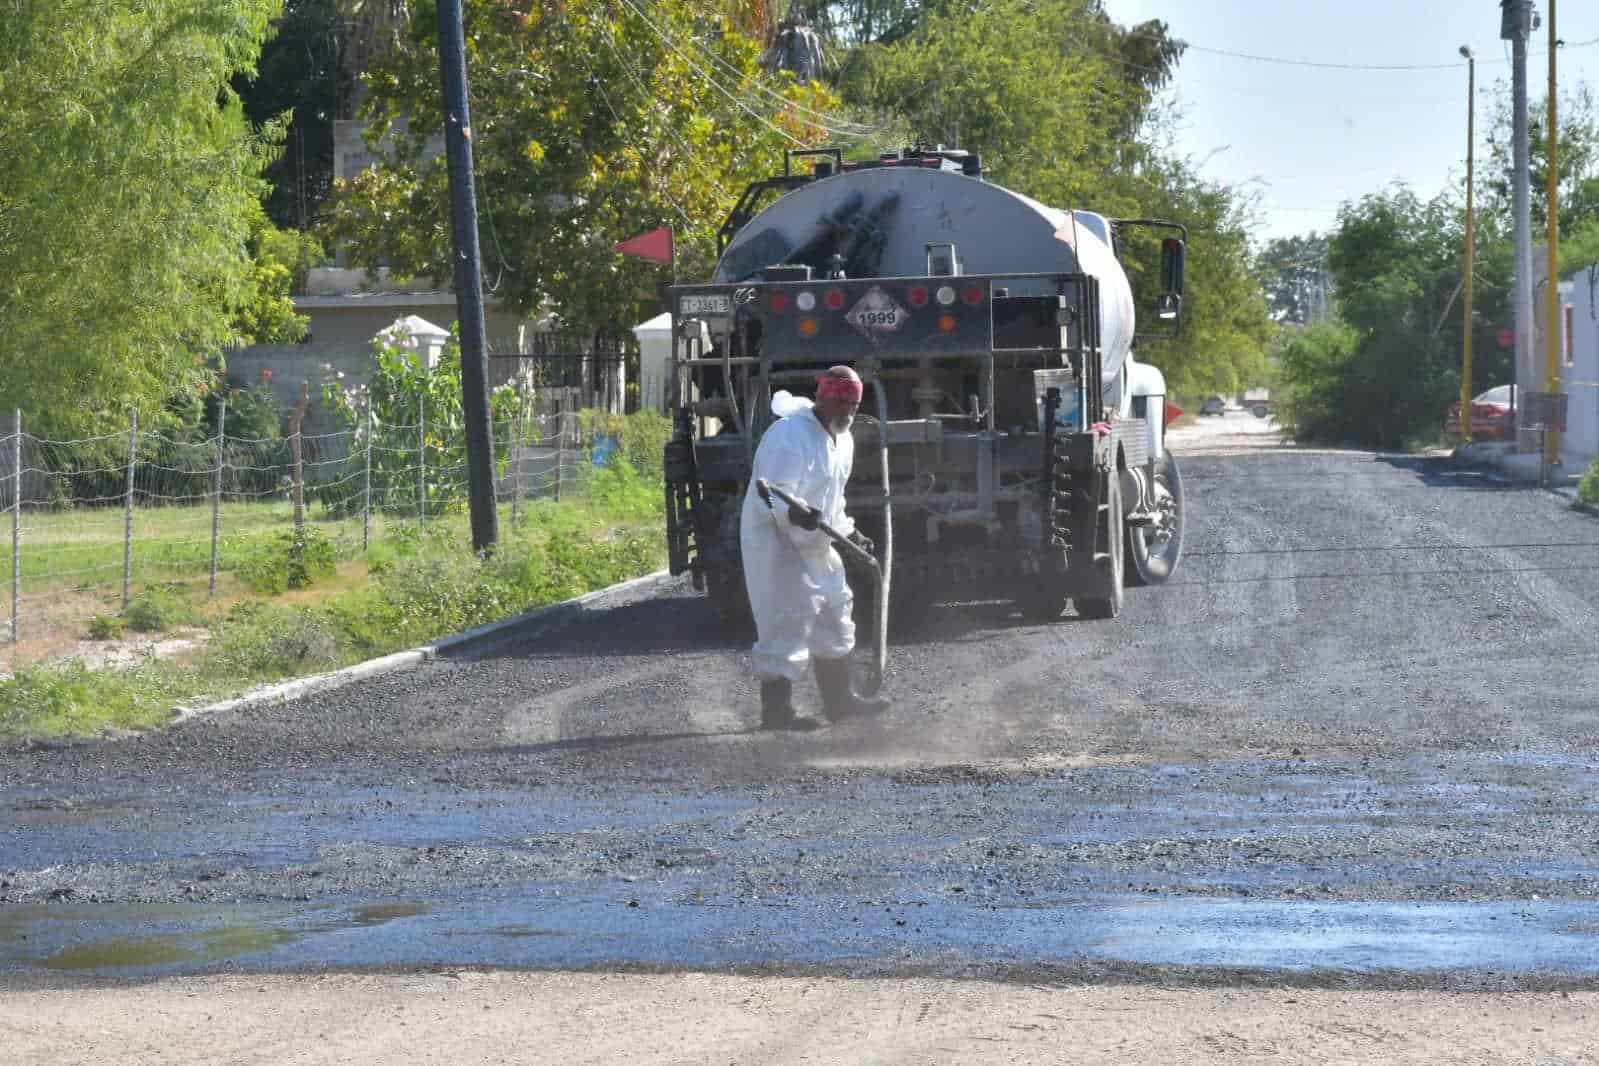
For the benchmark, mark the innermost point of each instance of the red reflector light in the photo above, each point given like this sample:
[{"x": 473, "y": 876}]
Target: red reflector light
[
  {"x": 833, "y": 299},
  {"x": 1173, "y": 412},
  {"x": 777, "y": 303},
  {"x": 917, "y": 296},
  {"x": 972, "y": 294}
]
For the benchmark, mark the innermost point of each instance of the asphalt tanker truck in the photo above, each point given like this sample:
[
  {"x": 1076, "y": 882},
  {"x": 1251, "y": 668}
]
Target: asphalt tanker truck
[{"x": 1009, "y": 447}]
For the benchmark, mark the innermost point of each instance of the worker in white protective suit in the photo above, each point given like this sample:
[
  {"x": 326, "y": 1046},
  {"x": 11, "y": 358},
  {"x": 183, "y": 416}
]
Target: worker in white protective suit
[{"x": 796, "y": 582}]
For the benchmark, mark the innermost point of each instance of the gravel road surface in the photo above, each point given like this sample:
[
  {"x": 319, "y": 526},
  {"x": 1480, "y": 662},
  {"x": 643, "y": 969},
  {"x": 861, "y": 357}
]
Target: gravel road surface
[{"x": 1350, "y": 747}]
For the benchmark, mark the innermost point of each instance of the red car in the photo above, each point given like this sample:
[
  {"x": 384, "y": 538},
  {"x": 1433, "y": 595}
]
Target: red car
[{"x": 1491, "y": 415}]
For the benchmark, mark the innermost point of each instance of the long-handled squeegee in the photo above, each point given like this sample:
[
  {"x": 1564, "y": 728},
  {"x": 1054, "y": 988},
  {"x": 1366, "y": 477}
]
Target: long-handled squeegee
[{"x": 861, "y": 555}]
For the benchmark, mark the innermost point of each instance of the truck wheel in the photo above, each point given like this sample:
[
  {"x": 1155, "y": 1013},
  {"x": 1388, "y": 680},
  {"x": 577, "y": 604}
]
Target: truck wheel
[
  {"x": 725, "y": 589},
  {"x": 1112, "y": 536},
  {"x": 1156, "y": 550}
]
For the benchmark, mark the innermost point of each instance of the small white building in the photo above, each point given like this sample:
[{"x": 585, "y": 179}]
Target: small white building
[
  {"x": 654, "y": 338},
  {"x": 1579, "y": 375}
]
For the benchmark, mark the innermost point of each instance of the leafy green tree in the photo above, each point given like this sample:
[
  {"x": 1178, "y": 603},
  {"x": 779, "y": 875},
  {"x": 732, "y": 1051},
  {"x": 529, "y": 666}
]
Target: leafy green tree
[
  {"x": 125, "y": 198},
  {"x": 1046, "y": 90},
  {"x": 1578, "y": 162},
  {"x": 278, "y": 259},
  {"x": 593, "y": 121},
  {"x": 1226, "y": 331},
  {"x": 1385, "y": 375},
  {"x": 1293, "y": 269},
  {"x": 299, "y": 79},
  {"x": 1316, "y": 364}
]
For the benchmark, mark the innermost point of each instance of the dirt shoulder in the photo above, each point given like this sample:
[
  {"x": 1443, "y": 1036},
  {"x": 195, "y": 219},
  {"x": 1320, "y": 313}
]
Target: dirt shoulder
[{"x": 595, "y": 1018}]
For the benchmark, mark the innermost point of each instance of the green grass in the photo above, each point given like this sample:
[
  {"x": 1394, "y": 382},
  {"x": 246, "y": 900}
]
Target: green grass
[
  {"x": 70, "y": 549},
  {"x": 417, "y": 585},
  {"x": 1588, "y": 487}
]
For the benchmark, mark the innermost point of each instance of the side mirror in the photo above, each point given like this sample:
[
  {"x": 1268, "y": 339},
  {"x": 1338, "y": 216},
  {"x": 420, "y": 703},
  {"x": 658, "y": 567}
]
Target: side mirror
[
  {"x": 1173, "y": 264},
  {"x": 1168, "y": 300}
]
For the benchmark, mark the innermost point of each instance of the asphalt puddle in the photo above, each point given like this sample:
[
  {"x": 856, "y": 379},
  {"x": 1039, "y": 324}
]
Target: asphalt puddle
[
  {"x": 539, "y": 929},
  {"x": 1444, "y": 863}
]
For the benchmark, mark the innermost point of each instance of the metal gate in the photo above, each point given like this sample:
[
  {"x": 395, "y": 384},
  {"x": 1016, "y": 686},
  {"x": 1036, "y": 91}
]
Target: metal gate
[{"x": 573, "y": 371}]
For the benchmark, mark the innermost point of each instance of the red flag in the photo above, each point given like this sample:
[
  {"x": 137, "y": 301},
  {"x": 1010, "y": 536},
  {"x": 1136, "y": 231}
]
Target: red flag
[{"x": 656, "y": 245}]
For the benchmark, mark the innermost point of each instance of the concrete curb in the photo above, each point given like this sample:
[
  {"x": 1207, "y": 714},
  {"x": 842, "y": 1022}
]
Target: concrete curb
[{"x": 562, "y": 613}]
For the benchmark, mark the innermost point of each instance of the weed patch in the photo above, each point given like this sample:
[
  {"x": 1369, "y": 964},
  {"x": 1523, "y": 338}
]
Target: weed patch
[
  {"x": 1588, "y": 487},
  {"x": 158, "y": 609},
  {"x": 105, "y": 627}
]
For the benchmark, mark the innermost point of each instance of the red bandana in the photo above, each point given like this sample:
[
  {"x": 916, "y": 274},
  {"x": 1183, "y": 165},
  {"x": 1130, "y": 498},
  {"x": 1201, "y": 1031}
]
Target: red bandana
[{"x": 845, "y": 389}]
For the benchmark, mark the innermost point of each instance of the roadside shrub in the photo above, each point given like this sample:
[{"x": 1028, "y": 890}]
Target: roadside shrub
[
  {"x": 73, "y": 700},
  {"x": 428, "y": 596},
  {"x": 1384, "y": 390},
  {"x": 618, "y": 488},
  {"x": 294, "y": 559},
  {"x": 158, "y": 609},
  {"x": 640, "y": 438},
  {"x": 1588, "y": 487},
  {"x": 267, "y": 640},
  {"x": 105, "y": 627},
  {"x": 311, "y": 557}
]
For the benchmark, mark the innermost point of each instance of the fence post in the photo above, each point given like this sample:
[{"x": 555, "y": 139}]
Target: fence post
[
  {"x": 16, "y": 526},
  {"x": 519, "y": 426},
  {"x": 127, "y": 510},
  {"x": 216, "y": 491},
  {"x": 560, "y": 444},
  {"x": 366, "y": 494},
  {"x": 421, "y": 460},
  {"x": 297, "y": 446}
]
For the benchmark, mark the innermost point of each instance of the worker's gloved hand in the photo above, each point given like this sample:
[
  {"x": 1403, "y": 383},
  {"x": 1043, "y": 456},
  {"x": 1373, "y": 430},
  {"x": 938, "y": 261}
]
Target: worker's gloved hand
[
  {"x": 807, "y": 518},
  {"x": 863, "y": 542}
]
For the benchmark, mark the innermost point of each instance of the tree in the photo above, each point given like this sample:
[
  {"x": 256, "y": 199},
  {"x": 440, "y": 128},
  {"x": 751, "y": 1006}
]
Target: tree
[
  {"x": 299, "y": 79},
  {"x": 1387, "y": 371},
  {"x": 1578, "y": 162},
  {"x": 1295, "y": 275},
  {"x": 1045, "y": 89},
  {"x": 278, "y": 259},
  {"x": 130, "y": 174},
  {"x": 593, "y": 121},
  {"x": 1226, "y": 332}
]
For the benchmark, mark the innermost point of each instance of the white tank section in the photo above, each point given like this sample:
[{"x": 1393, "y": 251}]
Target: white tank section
[{"x": 994, "y": 230}]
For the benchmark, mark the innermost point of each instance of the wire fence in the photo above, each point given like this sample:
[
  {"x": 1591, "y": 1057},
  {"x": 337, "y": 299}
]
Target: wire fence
[{"x": 90, "y": 520}]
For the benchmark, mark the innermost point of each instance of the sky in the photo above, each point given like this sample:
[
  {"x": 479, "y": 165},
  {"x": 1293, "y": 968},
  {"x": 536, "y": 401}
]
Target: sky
[{"x": 1308, "y": 138}]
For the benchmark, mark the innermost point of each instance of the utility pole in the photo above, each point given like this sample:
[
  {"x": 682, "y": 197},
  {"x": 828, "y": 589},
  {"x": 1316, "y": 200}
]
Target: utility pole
[
  {"x": 1552, "y": 321},
  {"x": 1515, "y": 26},
  {"x": 1471, "y": 240},
  {"x": 468, "y": 278}
]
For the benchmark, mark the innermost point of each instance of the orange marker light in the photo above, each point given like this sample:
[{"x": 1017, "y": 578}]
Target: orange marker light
[
  {"x": 946, "y": 323},
  {"x": 807, "y": 328}
]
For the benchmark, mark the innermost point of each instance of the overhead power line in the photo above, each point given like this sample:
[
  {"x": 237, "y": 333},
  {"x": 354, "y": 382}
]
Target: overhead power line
[
  {"x": 844, "y": 127},
  {"x": 1088, "y": 20},
  {"x": 712, "y": 82}
]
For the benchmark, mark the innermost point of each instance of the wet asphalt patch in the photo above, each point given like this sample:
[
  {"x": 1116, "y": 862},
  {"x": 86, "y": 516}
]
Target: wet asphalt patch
[{"x": 1291, "y": 865}]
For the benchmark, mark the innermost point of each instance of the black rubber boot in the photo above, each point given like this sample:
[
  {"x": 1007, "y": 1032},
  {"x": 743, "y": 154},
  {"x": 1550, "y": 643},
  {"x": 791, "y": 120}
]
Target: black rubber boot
[
  {"x": 839, "y": 698},
  {"x": 777, "y": 708}
]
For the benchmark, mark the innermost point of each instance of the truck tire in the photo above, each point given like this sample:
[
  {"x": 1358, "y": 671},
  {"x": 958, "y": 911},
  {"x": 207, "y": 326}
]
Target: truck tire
[
  {"x": 1156, "y": 550},
  {"x": 725, "y": 589},
  {"x": 1111, "y": 535}
]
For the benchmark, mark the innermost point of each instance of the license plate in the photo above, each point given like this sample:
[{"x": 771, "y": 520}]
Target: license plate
[{"x": 706, "y": 303}]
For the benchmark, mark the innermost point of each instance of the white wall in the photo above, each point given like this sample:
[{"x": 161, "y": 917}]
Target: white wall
[{"x": 1581, "y": 379}]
